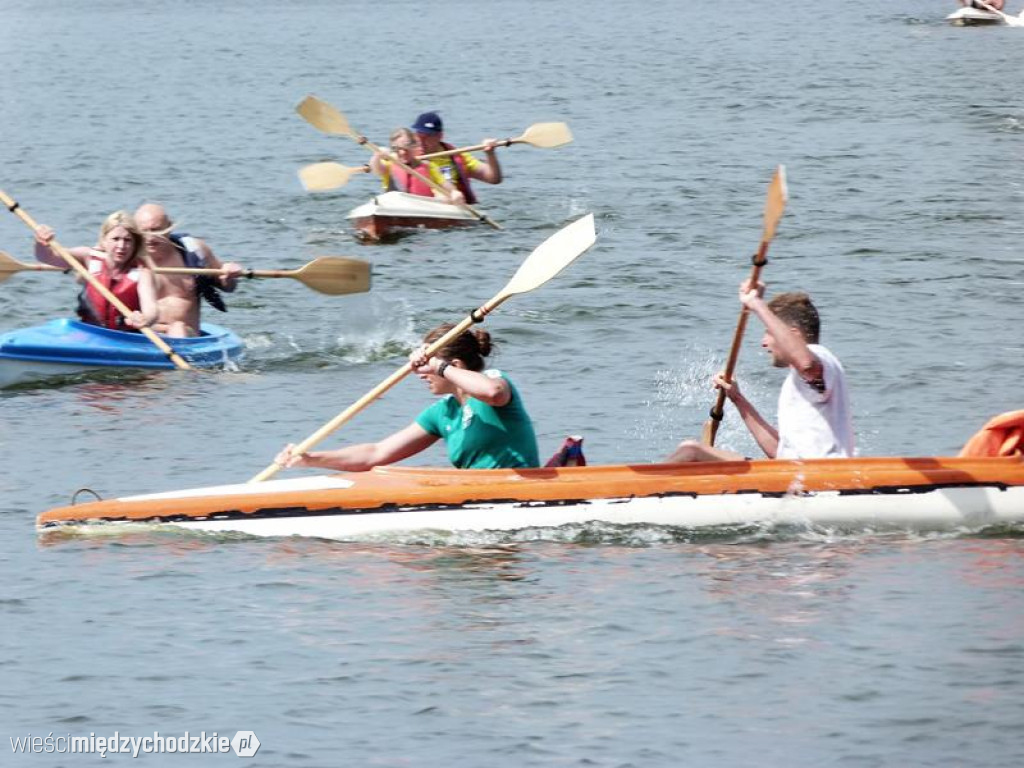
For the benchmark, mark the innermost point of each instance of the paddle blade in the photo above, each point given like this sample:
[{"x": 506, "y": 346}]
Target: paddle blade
[
  {"x": 9, "y": 265},
  {"x": 323, "y": 116},
  {"x": 320, "y": 177},
  {"x": 775, "y": 204},
  {"x": 553, "y": 255},
  {"x": 336, "y": 276},
  {"x": 547, "y": 135}
]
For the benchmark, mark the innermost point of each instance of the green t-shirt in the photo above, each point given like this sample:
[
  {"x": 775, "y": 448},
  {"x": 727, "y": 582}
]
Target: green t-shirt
[{"x": 481, "y": 436}]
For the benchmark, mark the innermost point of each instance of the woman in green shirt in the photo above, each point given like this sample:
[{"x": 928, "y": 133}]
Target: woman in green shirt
[{"x": 480, "y": 416}]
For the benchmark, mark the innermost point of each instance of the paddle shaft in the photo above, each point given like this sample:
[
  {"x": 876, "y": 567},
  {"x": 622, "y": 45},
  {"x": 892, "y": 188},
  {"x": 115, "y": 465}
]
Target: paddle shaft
[
  {"x": 76, "y": 265},
  {"x": 718, "y": 409},
  {"x": 474, "y": 148},
  {"x": 477, "y": 316},
  {"x": 775, "y": 204}
]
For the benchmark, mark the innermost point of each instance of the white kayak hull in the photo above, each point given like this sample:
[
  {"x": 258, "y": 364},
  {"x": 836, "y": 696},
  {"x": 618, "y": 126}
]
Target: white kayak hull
[
  {"x": 969, "y": 17},
  {"x": 390, "y": 212}
]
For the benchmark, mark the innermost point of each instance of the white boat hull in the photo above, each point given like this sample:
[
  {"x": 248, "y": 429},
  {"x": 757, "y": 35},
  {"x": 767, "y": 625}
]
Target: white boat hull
[
  {"x": 968, "y": 17},
  {"x": 392, "y": 211},
  {"x": 945, "y": 509}
]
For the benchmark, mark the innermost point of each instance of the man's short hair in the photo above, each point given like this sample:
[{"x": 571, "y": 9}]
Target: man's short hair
[{"x": 796, "y": 310}]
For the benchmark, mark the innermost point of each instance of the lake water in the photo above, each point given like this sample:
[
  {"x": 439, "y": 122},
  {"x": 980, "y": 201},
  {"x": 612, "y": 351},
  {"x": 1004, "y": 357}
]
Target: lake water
[{"x": 903, "y": 139}]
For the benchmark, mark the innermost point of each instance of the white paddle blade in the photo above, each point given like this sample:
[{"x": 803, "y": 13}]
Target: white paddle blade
[
  {"x": 323, "y": 116},
  {"x": 775, "y": 204},
  {"x": 320, "y": 177},
  {"x": 553, "y": 255}
]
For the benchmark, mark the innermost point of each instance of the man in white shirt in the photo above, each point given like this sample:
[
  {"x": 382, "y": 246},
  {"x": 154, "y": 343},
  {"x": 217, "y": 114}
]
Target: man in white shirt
[{"x": 814, "y": 407}]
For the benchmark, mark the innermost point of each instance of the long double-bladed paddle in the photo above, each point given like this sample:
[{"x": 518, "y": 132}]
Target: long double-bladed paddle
[
  {"x": 331, "y": 275},
  {"x": 774, "y": 205},
  {"x": 320, "y": 177},
  {"x": 542, "y": 135},
  {"x": 327, "y": 119},
  {"x": 546, "y": 261},
  {"x": 76, "y": 265}
]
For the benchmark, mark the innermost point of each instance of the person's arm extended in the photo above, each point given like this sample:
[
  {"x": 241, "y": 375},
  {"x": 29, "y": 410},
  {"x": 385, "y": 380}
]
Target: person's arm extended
[
  {"x": 359, "y": 458},
  {"x": 489, "y": 169},
  {"x": 46, "y": 255},
  {"x": 765, "y": 434}
]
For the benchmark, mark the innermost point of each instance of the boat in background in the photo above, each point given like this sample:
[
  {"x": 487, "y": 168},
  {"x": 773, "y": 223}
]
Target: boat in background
[
  {"x": 970, "y": 17},
  {"x": 62, "y": 347},
  {"x": 930, "y": 493},
  {"x": 390, "y": 212}
]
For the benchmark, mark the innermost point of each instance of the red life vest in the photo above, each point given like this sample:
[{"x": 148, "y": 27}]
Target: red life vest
[
  {"x": 94, "y": 309},
  {"x": 407, "y": 182}
]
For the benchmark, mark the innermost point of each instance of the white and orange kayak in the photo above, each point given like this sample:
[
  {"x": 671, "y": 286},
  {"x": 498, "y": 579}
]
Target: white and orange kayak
[
  {"x": 917, "y": 493},
  {"x": 390, "y": 212}
]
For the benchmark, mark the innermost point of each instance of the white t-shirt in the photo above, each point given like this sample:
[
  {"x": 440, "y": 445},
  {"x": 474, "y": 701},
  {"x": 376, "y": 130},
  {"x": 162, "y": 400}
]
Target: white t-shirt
[{"x": 813, "y": 424}]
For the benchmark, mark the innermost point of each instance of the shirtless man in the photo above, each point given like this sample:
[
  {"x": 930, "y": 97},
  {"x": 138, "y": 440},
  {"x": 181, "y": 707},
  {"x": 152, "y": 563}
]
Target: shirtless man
[{"x": 178, "y": 295}]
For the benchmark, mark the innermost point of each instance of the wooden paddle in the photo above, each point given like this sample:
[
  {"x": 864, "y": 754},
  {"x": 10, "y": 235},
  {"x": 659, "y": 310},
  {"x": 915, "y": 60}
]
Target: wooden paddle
[
  {"x": 1011, "y": 21},
  {"x": 76, "y": 265},
  {"x": 547, "y": 260},
  {"x": 543, "y": 135},
  {"x": 773, "y": 208},
  {"x": 331, "y": 275},
  {"x": 9, "y": 266},
  {"x": 327, "y": 119},
  {"x": 319, "y": 177}
]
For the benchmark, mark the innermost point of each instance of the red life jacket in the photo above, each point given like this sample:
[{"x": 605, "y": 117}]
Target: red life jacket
[
  {"x": 407, "y": 182},
  {"x": 94, "y": 309}
]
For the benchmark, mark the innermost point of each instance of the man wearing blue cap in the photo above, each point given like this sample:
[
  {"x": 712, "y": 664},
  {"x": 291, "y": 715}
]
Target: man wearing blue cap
[{"x": 454, "y": 170}]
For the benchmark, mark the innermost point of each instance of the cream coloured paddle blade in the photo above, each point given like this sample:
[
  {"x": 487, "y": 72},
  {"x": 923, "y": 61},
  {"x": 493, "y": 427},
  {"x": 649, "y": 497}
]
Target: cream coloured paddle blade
[
  {"x": 335, "y": 276},
  {"x": 324, "y": 117},
  {"x": 320, "y": 177},
  {"x": 553, "y": 255},
  {"x": 546, "y": 135}
]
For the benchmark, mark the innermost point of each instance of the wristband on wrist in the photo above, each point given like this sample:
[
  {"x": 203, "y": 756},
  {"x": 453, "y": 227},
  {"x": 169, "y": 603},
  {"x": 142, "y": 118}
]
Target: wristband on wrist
[{"x": 442, "y": 368}]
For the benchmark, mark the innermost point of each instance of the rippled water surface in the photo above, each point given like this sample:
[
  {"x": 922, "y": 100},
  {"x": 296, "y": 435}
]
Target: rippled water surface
[{"x": 902, "y": 139}]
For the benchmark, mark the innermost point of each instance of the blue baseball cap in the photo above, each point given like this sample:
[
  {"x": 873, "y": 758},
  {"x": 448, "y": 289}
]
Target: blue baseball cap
[{"x": 428, "y": 122}]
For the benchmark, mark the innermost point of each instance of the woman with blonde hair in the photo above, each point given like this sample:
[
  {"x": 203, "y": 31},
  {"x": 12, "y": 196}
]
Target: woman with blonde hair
[
  {"x": 480, "y": 415},
  {"x": 116, "y": 262}
]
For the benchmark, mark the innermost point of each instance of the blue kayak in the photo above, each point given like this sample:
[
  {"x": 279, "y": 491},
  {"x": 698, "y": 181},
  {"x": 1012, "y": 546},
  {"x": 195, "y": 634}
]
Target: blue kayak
[{"x": 62, "y": 347}]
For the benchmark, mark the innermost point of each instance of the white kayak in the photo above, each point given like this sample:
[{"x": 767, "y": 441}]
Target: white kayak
[
  {"x": 391, "y": 211},
  {"x": 967, "y": 17}
]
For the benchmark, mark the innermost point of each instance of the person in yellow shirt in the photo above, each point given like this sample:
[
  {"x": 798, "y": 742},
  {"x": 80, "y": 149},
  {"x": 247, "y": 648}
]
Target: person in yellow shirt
[{"x": 455, "y": 170}]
